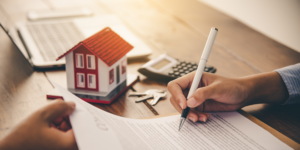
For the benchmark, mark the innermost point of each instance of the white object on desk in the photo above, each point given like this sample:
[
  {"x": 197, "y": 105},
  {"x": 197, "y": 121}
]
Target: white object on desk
[
  {"x": 160, "y": 64},
  {"x": 44, "y": 52}
]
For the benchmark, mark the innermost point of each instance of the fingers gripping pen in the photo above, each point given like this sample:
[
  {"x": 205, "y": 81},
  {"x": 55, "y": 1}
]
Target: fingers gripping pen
[{"x": 199, "y": 72}]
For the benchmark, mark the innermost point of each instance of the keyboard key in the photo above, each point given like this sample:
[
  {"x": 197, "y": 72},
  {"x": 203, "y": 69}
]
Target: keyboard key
[
  {"x": 171, "y": 72},
  {"x": 183, "y": 64}
]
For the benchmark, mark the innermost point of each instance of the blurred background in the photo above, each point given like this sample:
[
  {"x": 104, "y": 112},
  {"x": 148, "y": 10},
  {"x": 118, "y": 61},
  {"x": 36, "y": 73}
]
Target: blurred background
[{"x": 277, "y": 19}]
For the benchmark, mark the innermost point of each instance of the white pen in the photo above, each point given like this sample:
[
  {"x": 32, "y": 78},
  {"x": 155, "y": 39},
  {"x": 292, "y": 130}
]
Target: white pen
[{"x": 199, "y": 72}]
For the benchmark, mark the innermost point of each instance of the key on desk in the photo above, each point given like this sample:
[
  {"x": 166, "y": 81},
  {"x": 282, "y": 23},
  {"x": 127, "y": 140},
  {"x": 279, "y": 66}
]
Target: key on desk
[
  {"x": 147, "y": 95},
  {"x": 148, "y": 92},
  {"x": 140, "y": 99},
  {"x": 157, "y": 97}
]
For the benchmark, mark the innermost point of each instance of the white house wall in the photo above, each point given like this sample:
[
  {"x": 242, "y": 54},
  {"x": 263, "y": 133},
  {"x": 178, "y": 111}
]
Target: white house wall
[
  {"x": 103, "y": 76},
  {"x": 103, "y": 73},
  {"x": 70, "y": 71},
  {"x": 122, "y": 76}
]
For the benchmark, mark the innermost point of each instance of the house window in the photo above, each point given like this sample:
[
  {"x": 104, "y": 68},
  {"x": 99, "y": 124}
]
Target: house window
[
  {"x": 79, "y": 61},
  {"x": 80, "y": 80},
  {"x": 90, "y": 61},
  {"x": 124, "y": 62},
  {"x": 91, "y": 81},
  {"x": 111, "y": 76}
]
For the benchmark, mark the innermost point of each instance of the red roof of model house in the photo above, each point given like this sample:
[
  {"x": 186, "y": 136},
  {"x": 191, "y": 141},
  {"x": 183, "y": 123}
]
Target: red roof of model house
[{"x": 106, "y": 45}]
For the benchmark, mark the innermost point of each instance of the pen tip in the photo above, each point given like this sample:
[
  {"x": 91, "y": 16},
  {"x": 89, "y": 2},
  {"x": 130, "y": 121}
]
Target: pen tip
[{"x": 181, "y": 123}]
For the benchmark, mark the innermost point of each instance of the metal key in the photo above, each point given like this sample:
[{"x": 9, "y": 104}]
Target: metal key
[
  {"x": 143, "y": 98},
  {"x": 157, "y": 97},
  {"x": 148, "y": 92},
  {"x": 147, "y": 95}
]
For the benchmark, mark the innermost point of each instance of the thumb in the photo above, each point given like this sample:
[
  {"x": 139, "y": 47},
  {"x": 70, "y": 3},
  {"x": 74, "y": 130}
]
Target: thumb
[
  {"x": 56, "y": 110},
  {"x": 199, "y": 96}
]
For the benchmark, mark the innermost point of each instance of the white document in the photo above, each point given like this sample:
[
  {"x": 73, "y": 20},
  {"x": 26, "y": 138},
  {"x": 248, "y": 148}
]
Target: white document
[{"x": 96, "y": 129}]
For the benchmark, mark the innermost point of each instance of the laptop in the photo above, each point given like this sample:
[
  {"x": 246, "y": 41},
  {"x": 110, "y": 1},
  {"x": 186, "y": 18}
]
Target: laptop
[{"x": 42, "y": 42}]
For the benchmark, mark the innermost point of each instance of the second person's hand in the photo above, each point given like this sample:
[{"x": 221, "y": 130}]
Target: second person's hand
[{"x": 47, "y": 128}]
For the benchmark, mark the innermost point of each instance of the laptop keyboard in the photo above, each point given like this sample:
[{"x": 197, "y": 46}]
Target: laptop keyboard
[{"x": 53, "y": 39}]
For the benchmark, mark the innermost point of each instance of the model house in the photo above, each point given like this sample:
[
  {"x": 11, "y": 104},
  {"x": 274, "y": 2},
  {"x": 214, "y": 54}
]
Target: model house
[{"x": 97, "y": 64}]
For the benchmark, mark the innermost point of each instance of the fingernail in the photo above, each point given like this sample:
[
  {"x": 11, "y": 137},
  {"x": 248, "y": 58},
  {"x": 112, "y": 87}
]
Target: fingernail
[
  {"x": 181, "y": 105},
  {"x": 191, "y": 102},
  {"x": 193, "y": 119},
  {"x": 203, "y": 119}
]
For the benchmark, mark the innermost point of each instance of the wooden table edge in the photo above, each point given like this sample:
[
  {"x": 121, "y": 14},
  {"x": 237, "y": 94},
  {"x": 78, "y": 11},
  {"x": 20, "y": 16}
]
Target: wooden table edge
[{"x": 274, "y": 132}]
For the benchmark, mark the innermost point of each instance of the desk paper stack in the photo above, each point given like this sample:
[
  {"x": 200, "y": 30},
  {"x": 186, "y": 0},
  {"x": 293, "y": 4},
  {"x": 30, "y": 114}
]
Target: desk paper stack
[{"x": 96, "y": 129}]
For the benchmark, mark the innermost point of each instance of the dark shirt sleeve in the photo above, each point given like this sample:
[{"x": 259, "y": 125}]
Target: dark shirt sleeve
[{"x": 291, "y": 77}]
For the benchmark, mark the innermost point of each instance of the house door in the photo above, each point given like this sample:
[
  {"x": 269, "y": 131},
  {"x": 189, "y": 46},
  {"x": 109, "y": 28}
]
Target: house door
[{"x": 118, "y": 74}]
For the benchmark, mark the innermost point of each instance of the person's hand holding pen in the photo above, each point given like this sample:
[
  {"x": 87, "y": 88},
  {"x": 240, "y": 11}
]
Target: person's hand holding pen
[
  {"x": 207, "y": 98},
  {"x": 217, "y": 93}
]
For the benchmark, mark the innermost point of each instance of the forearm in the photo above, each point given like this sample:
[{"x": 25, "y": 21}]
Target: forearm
[{"x": 266, "y": 88}]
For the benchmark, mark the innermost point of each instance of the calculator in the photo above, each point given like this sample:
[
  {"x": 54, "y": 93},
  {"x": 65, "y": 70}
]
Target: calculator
[{"x": 167, "y": 68}]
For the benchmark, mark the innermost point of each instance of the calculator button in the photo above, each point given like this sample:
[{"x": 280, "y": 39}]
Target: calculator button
[
  {"x": 175, "y": 69},
  {"x": 173, "y": 76},
  {"x": 182, "y": 74},
  {"x": 186, "y": 72},
  {"x": 189, "y": 66},
  {"x": 209, "y": 67},
  {"x": 206, "y": 69},
  {"x": 179, "y": 67},
  {"x": 191, "y": 69},
  {"x": 181, "y": 70},
  {"x": 183, "y": 64},
  {"x": 171, "y": 72},
  {"x": 184, "y": 68},
  {"x": 194, "y": 67},
  {"x": 176, "y": 73}
]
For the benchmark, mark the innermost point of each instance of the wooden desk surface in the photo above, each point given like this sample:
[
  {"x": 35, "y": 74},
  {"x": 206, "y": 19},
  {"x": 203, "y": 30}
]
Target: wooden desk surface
[{"x": 178, "y": 28}]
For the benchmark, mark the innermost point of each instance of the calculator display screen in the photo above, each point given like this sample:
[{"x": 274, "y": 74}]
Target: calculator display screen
[{"x": 161, "y": 64}]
